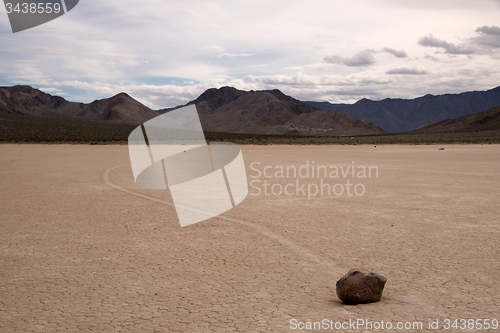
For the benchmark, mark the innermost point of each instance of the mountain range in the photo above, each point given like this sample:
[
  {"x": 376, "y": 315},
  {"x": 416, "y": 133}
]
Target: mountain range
[
  {"x": 221, "y": 110},
  {"x": 231, "y": 110},
  {"x": 403, "y": 115},
  {"x": 28, "y": 101}
]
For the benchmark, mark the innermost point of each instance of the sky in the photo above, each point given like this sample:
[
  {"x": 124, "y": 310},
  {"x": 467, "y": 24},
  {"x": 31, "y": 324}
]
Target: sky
[{"x": 166, "y": 53}]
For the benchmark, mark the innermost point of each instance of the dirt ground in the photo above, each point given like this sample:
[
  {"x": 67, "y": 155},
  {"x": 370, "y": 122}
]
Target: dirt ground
[{"x": 82, "y": 248}]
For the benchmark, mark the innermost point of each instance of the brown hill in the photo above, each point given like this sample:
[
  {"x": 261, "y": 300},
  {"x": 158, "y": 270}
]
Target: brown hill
[
  {"x": 488, "y": 120},
  {"x": 213, "y": 98},
  {"x": 271, "y": 112},
  {"x": 25, "y": 100},
  {"x": 120, "y": 108}
]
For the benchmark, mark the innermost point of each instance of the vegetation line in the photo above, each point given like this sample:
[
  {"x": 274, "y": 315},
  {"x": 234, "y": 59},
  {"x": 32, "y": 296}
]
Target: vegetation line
[{"x": 26, "y": 129}]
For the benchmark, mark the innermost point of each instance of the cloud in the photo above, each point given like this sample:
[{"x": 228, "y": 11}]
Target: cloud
[
  {"x": 222, "y": 52},
  {"x": 312, "y": 82},
  {"x": 449, "y": 48},
  {"x": 406, "y": 71},
  {"x": 214, "y": 49},
  {"x": 346, "y": 89},
  {"x": 361, "y": 59},
  {"x": 493, "y": 30},
  {"x": 296, "y": 79},
  {"x": 396, "y": 53},
  {"x": 489, "y": 37},
  {"x": 153, "y": 96},
  {"x": 427, "y": 56},
  {"x": 52, "y": 90},
  {"x": 234, "y": 55},
  {"x": 108, "y": 47}
]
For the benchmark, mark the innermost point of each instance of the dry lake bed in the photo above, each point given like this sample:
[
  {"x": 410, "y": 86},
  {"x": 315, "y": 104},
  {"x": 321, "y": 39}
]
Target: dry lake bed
[{"x": 82, "y": 248}]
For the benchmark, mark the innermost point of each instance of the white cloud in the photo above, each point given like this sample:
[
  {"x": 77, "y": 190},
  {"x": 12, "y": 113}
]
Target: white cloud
[
  {"x": 234, "y": 55},
  {"x": 214, "y": 49},
  {"x": 53, "y": 91}
]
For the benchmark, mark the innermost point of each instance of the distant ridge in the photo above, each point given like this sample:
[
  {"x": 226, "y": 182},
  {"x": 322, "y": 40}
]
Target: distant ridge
[
  {"x": 402, "y": 115},
  {"x": 488, "y": 120},
  {"x": 28, "y": 101}
]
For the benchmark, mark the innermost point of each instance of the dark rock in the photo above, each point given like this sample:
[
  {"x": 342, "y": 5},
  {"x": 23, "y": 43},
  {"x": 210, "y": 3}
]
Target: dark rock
[
  {"x": 360, "y": 286},
  {"x": 441, "y": 148}
]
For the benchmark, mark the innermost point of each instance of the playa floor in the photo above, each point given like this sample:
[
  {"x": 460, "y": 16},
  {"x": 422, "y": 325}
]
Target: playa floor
[{"x": 83, "y": 249}]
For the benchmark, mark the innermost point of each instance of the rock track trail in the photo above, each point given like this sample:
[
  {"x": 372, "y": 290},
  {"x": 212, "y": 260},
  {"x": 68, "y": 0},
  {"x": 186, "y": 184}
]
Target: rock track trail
[{"x": 262, "y": 230}]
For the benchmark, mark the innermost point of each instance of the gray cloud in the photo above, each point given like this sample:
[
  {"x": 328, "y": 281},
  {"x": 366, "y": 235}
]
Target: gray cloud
[
  {"x": 361, "y": 59},
  {"x": 396, "y": 53},
  {"x": 449, "y": 48},
  {"x": 406, "y": 71},
  {"x": 75, "y": 56},
  {"x": 489, "y": 37},
  {"x": 431, "y": 57},
  {"x": 493, "y": 30}
]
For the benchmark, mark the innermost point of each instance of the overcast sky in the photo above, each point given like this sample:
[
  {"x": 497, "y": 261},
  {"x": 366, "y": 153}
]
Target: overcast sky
[{"x": 166, "y": 53}]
